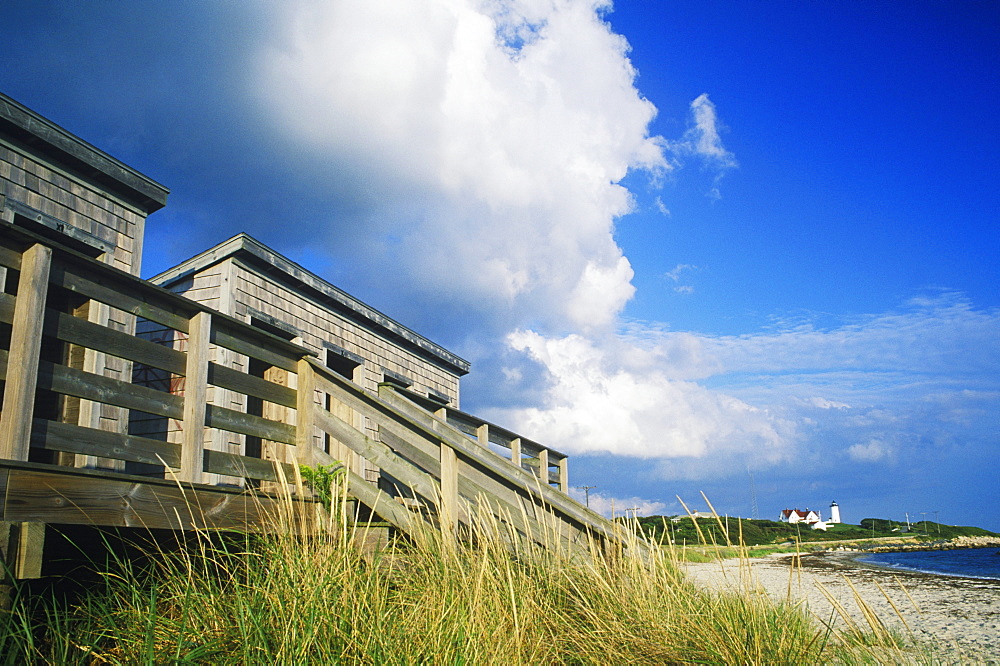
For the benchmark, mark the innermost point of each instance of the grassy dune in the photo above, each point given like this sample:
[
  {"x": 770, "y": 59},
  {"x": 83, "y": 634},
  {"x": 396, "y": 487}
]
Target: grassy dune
[{"x": 282, "y": 599}]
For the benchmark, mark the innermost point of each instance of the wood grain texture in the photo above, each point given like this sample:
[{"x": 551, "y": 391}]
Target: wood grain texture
[
  {"x": 23, "y": 357},
  {"x": 305, "y": 413},
  {"x": 64, "y": 495},
  {"x": 195, "y": 397},
  {"x": 71, "y": 438}
]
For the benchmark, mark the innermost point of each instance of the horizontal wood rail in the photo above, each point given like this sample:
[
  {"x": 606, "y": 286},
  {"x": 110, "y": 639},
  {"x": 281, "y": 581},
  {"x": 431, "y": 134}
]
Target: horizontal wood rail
[
  {"x": 525, "y": 453},
  {"x": 164, "y": 434}
]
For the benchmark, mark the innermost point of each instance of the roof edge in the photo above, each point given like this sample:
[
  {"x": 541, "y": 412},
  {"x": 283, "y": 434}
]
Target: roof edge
[
  {"x": 243, "y": 243},
  {"x": 68, "y": 149}
]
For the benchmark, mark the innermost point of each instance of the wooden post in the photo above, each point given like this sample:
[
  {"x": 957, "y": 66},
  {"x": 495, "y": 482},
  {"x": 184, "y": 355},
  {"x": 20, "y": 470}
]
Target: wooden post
[
  {"x": 22, "y": 360},
  {"x": 543, "y": 466},
  {"x": 305, "y": 413},
  {"x": 195, "y": 398},
  {"x": 564, "y": 475},
  {"x": 515, "y": 452},
  {"x": 28, "y": 554},
  {"x": 449, "y": 490},
  {"x": 483, "y": 435}
]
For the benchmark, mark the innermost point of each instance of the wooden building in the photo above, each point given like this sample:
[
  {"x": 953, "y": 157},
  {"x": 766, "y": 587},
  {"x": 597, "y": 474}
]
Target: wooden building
[
  {"x": 56, "y": 185},
  {"x": 251, "y": 282},
  {"x": 127, "y": 404},
  {"x": 60, "y": 186}
]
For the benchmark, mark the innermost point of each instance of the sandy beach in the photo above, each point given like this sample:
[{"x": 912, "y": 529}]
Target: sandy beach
[{"x": 960, "y": 613}]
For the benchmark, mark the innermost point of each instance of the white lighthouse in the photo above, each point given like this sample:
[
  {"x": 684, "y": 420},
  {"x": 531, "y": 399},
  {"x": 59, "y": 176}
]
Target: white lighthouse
[{"x": 834, "y": 513}]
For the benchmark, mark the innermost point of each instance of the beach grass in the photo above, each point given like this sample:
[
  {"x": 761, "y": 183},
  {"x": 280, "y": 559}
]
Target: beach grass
[{"x": 286, "y": 598}]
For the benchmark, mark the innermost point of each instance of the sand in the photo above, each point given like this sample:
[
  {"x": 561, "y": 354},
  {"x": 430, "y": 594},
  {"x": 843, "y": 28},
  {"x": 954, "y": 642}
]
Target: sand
[{"x": 961, "y": 614}]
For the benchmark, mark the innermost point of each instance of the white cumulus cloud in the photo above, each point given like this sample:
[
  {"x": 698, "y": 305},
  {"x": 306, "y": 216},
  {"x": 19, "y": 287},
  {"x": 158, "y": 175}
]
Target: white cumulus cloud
[
  {"x": 621, "y": 397},
  {"x": 494, "y": 134}
]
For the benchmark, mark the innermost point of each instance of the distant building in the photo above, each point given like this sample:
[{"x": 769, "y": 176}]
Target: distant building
[
  {"x": 834, "y": 513},
  {"x": 807, "y": 516}
]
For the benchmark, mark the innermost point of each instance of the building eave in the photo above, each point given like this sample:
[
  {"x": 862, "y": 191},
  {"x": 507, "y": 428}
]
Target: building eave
[
  {"x": 41, "y": 135},
  {"x": 258, "y": 255}
]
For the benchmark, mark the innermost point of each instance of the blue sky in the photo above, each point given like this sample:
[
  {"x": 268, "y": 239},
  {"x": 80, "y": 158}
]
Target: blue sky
[{"x": 682, "y": 241}]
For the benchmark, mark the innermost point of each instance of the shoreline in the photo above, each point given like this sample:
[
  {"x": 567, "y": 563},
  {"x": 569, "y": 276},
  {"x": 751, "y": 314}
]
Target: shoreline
[{"x": 960, "y": 614}]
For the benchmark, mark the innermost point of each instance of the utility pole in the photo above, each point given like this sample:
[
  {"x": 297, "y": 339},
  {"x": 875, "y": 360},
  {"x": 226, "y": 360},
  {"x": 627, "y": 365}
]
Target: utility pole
[
  {"x": 907, "y": 521},
  {"x": 924, "y": 514},
  {"x": 936, "y": 521},
  {"x": 635, "y": 512},
  {"x": 586, "y": 491}
]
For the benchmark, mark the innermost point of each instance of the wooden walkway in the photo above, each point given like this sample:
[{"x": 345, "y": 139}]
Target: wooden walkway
[{"x": 53, "y": 469}]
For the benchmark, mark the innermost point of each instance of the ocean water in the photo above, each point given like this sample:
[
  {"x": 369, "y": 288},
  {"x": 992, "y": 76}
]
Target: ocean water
[{"x": 965, "y": 562}]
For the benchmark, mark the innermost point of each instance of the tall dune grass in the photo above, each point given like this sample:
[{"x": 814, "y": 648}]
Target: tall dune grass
[{"x": 287, "y": 599}]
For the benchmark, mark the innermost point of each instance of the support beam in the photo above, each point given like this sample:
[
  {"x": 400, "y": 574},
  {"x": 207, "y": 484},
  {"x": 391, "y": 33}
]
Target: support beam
[
  {"x": 305, "y": 414},
  {"x": 25, "y": 346},
  {"x": 564, "y": 475},
  {"x": 22, "y": 545},
  {"x": 543, "y": 466},
  {"x": 195, "y": 398},
  {"x": 515, "y": 452},
  {"x": 483, "y": 435},
  {"x": 449, "y": 491}
]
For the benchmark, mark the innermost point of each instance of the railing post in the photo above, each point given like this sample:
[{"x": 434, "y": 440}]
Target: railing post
[
  {"x": 483, "y": 435},
  {"x": 22, "y": 359},
  {"x": 195, "y": 398},
  {"x": 564, "y": 475},
  {"x": 543, "y": 466},
  {"x": 515, "y": 452},
  {"x": 449, "y": 490},
  {"x": 305, "y": 416}
]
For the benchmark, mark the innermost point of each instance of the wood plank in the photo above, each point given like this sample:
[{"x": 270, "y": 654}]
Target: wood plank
[
  {"x": 39, "y": 495},
  {"x": 248, "y": 424},
  {"x": 515, "y": 451},
  {"x": 397, "y": 515},
  {"x": 3, "y": 493},
  {"x": 242, "y": 342},
  {"x": 67, "y": 328},
  {"x": 403, "y": 419},
  {"x": 89, "y": 386},
  {"x": 30, "y": 548},
  {"x": 417, "y": 479},
  {"x": 257, "y": 387},
  {"x": 305, "y": 413},
  {"x": 449, "y": 490},
  {"x": 10, "y": 258},
  {"x": 146, "y": 302},
  {"x": 71, "y": 438},
  {"x": 231, "y": 464},
  {"x": 195, "y": 397},
  {"x": 474, "y": 487},
  {"x": 489, "y": 463},
  {"x": 25, "y": 346},
  {"x": 564, "y": 475}
]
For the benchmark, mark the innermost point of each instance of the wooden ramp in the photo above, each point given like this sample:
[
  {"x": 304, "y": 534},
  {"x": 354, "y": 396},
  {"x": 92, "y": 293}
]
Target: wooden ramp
[{"x": 80, "y": 447}]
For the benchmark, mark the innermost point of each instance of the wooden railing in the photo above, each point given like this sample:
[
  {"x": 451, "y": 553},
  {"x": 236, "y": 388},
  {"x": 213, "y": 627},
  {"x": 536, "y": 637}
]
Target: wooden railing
[
  {"x": 144, "y": 443},
  {"x": 521, "y": 451}
]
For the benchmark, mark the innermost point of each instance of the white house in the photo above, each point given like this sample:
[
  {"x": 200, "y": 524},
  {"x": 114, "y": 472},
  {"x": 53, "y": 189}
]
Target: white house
[{"x": 807, "y": 516}]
